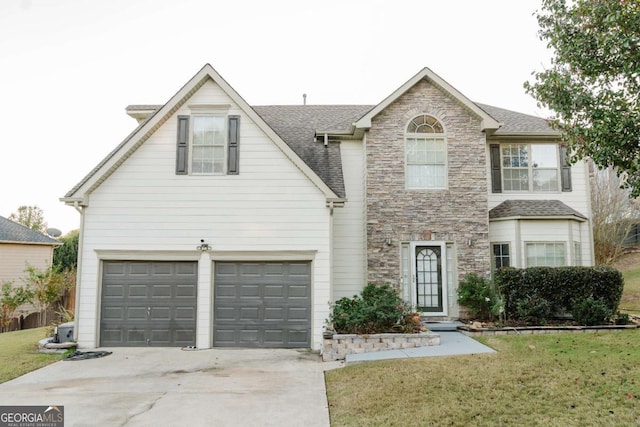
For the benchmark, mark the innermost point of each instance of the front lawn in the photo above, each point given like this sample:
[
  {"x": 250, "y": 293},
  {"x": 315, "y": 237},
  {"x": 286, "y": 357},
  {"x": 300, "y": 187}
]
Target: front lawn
[
  {"x": 19, "y": 353},
  {"x": 583, "y": 379}
]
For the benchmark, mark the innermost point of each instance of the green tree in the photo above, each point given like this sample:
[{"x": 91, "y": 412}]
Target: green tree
[
  {"x": 10, "y": 299},
  {"x": 48, "y": 286},
  {"x": 65, "y": 257},
  {"x": 593, "y": 84},
  {"x": 30, "y": 216}
]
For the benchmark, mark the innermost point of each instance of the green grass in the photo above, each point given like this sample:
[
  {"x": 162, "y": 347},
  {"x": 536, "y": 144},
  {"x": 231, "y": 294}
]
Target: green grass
[
  {"x": 583, "y": 379},
  {"x": 19, "y": 353}
]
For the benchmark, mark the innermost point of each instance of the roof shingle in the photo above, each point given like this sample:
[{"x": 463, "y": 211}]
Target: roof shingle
[
  {"x": 13, "y": 232},
  {"x": 532, "y": 209}
]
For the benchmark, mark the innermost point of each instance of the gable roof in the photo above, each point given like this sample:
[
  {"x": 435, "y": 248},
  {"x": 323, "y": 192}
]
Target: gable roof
[
  {"x": 12, "y": 232},
  {"x": 147, "y": 127},
  {"x": 298, "y": 125},
  {"x": 488, "y": 123},
  {"x": 532, "y": 209},
  {"x": 298, "y": 130}
]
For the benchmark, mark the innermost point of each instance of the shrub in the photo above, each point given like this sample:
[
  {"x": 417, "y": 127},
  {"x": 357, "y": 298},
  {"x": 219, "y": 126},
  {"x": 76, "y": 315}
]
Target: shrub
[
  {"x": 622, "y": 318},
  {"x": 590, "y": 312},
  {"x": 477, "y": 294},
  {"x": 533, "y": 310},
  {"x": 562, "y": 287},
  {"x": 377, "y": 310}
]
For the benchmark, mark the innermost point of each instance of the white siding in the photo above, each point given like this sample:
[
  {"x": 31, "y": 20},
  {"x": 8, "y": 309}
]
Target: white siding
[
  {"x": 577, "y": 199},
  {"x": 144, "y": 208},
  {"x": 519, "y": 232},
  {"x": 349, "y": 263}
]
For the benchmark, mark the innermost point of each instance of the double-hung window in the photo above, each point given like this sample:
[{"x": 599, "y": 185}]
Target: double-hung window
[
  {"x": 426, "y": 154},
  {"x": 501, "y": 256},
  {"x": 530, "y": 167},
  {"x": 209, "y": 142}
]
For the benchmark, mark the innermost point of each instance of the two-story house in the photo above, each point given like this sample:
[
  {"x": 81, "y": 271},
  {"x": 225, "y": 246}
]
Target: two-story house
[{"x": 217, "y": 223}]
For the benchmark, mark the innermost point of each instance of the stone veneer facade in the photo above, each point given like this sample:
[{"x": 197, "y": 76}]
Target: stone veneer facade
[{"x": 457, "y": 215}]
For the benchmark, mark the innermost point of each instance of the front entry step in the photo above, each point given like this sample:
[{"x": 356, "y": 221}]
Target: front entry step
[{"x": 444, "y": 326}]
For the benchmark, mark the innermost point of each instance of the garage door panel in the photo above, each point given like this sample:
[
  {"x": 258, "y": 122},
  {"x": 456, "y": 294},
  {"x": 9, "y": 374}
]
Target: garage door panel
[
  {"x": 297, "y": 313},
  {"x": 250, "y": 291},
  {"x": 158, "y": 309},
  {"x": 113, "y": 313},
  {"x": 161, "y": 291},
  {"x": 139, "y": 268},
  {"x": 226, "y": 313},
  {"x": 249, "y": 313},
  {"x": 299, "y": 269},
  {"x": 298, "y": 291},
  {"x": 115, "y": 268},
  {"x": 185, "y": 313},
  {"x": 162, "y": 269},
  {"x": 274, "y": 313},
  {"x": 274, "y": 291},
  {"x": 253, "y": 304},
  {"x": 136, "y": 291},
  {"x": 185, "y": 291},
  {"x": 135, "y": 313}
]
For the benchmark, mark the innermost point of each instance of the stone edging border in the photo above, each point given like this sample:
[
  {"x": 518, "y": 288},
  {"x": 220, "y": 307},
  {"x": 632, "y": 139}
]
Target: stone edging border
[{"x": 530, "y": 330}]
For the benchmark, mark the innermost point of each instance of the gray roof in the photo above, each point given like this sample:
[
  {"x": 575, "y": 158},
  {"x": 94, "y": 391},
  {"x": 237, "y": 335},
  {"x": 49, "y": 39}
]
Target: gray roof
[
  {"x": 514, "y": 122},
  {"x": 17, "y": 233},
  {"x": 533, "y": 209},
  {"x": 297, "y": 126}
]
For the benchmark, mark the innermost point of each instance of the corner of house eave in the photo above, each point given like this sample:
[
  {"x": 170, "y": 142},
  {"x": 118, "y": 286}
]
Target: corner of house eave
[{"x": 73, "y": 201}]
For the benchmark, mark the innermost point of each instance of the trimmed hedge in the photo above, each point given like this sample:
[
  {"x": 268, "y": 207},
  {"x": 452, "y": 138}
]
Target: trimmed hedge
[{"x": 561, "y": 287}]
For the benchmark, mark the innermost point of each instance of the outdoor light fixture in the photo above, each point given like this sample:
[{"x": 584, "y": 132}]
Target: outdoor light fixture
[
  {"x": 388, "y": 241},
  {"x": 203, "y": 246}
]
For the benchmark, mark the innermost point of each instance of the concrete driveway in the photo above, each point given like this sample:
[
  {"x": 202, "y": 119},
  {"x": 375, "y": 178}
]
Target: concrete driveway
[{"x": 172, "y": 387}]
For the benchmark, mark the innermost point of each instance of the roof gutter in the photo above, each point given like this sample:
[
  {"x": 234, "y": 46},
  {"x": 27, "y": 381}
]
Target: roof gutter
[
  {"x": 545, "y": 217},
  {"x": 22, "y": 242}
]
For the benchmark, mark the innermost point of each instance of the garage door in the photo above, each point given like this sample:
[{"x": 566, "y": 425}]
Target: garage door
[
  {"x": 262, "y": 304},
  {"x": 148, "y": 304}
]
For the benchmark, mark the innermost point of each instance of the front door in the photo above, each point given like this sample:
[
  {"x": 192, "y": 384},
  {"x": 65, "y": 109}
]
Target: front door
[{"x": 428, "y": 274}]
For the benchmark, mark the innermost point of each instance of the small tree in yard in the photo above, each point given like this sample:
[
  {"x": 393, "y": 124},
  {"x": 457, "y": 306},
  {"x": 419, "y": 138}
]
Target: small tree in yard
[
  {"x": 10, "y": 299},
  {"x": 48, "y": 286}
]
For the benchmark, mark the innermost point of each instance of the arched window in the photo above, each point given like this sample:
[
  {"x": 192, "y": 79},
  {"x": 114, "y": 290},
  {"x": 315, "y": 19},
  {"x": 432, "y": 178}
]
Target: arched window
[{"x": 426, "y": 153}]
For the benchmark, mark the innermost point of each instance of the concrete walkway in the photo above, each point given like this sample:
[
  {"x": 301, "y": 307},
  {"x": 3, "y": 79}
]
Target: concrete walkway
[{"x": 451, "y": 344}]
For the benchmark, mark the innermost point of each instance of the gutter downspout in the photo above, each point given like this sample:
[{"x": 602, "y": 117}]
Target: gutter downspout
[
  {"x": 331, "y": 250},
  {"x": 76, "y": 310}
]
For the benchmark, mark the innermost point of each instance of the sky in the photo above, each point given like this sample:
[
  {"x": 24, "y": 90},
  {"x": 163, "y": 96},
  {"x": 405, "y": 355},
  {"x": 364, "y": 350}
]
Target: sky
[{"x": 68, "y": 68}]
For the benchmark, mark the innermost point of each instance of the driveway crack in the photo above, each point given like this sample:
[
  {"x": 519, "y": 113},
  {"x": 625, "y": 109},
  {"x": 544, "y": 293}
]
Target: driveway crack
[{"x": 143, "y": 410}]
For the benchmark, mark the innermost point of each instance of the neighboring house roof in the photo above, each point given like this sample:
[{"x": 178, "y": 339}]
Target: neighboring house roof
[
  {"x": 513, "y": 209},
  {"x": 12, "y": 232}
]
